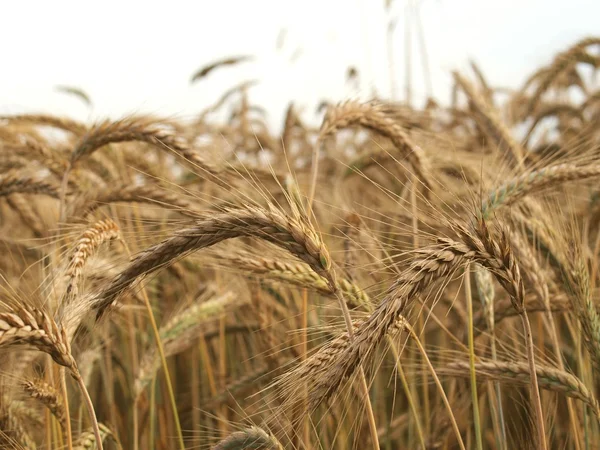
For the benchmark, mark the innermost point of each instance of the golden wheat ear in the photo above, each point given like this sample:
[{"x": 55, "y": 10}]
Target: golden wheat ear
[{"x": 372, "y": 116}]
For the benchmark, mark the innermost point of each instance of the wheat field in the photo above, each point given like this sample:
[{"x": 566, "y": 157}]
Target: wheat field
[{"x": 397, "y": 278}]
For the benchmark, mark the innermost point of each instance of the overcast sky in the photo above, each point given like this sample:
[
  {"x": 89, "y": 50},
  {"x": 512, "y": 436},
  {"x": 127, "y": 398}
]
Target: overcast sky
[{"x": 138, "y": 56}]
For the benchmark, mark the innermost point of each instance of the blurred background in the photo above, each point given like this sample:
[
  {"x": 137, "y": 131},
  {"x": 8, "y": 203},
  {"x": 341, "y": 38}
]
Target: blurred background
[{"x": 139, "y": 56}]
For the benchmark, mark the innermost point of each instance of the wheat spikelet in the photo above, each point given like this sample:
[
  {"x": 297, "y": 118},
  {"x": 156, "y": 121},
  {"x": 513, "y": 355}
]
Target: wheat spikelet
[
  {"x": 102, "y": 231},
  {"x": 488, "y": 93},
  {"x": 319, "y": 367},
  {"x": 224, "y": 98},
  {"x": 31, "y": 326},
  {"x": 289, "y": 123},
  {"x": 503, "y": 310},
  {"x": 429, "y": 264},
  {"x": 47, "y": 396},
  {"x": 553, "y": 109}
]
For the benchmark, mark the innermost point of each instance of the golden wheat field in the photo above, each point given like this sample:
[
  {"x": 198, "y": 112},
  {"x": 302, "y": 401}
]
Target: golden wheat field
[{"x": 397, "y": 278}]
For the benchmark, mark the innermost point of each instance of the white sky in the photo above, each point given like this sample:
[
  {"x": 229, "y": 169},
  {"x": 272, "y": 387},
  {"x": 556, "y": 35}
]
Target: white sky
[{"x": 138, "y": 56}]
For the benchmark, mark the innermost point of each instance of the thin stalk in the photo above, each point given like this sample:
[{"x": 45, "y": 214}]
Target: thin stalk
[
  {"x": 535, "y": 390},
  {"x": 370, "y": 416},
  {"x": 486, "y": 291},
  {"x": 438, "y": 384},
  {"x": 303, "y": 356},
  {"x": 557, "y": 353},
  {"x": 474, "y": 396},
  {"x": 409, "y": 399},
  {"x": 163, "y": 360},
  {"x": 222, "y": 375},
  {"x": 584, "y": 379},
  {"x": 63, "y": 385},
  {"x": 502, "y": 423},
  {"x": 424, "y": 372},
  {"x": 48, "y": 427},
  {"x": 52, "y": 431},
  {"x": 90, "y": 407},
  {"x": 134, "y": 364},
  {"x": 108, "y": 375},
  {"x": 195, "y": 369},
  {"x": 152, "y": 412},
  {"x": 222, "y": 369}
]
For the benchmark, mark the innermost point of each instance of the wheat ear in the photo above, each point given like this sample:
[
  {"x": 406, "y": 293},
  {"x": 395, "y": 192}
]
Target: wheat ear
[
  {"x": 32, "y": 326},
  {"x": 535, "y": 181},
  {"x": 549, "y": 378},
  {"x": 102, "y": 231},
  {"x": 373, "y": 116},
  {"x": 49, "y": 397},
  {"x": 253, "y": 438}
]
